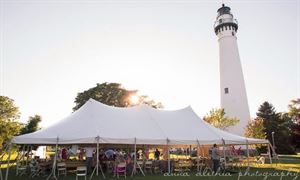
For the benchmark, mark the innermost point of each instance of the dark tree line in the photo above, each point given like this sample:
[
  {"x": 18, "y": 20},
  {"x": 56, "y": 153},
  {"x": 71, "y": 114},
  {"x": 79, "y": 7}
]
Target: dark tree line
[{"x": 285, "y": 127}]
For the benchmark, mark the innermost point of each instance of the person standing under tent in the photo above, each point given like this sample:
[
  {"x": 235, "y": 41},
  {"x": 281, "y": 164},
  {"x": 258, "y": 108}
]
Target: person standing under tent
[
  {"x": 156, "y": 154},
  {"x": 89, "y": 158},
  {"x": 146, "y": 153},
  {"x": 64, "y": 154},
  {"x": 215, "y": 157}
]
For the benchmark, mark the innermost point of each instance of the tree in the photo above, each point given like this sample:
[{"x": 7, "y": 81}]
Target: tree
[
  {"x": 9, "y": 114},
  {"x": 32, "y": 124},
  {"x": 112, "y": 94},
  {"x": 279, "y": 123},
  {"x": 255, "y": 129},
  {"x": 294, "y": 113},
  {"x": 217, "y": 118},
  {"x": 294, "y": 109}
]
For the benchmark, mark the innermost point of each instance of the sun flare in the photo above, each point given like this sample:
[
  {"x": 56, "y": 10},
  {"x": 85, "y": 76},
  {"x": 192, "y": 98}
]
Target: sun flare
[{"x": 134, "y": 99}]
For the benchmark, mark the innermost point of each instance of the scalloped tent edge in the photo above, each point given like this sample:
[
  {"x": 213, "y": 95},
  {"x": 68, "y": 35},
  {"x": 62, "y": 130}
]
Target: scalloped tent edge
[{"x": 133, "y": 125}]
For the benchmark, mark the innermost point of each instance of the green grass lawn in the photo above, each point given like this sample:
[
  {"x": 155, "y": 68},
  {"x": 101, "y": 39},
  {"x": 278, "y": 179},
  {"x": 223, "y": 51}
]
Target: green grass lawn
[
  {"x": 254, "y": 174},
  {"x": 288, "y": 166}
]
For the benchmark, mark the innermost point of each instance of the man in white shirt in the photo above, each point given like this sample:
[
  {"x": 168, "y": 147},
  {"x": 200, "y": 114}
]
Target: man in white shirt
[{"x": 89, "y": 158}]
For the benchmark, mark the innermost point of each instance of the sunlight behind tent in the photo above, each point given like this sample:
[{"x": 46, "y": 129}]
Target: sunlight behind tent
[{"x": 134, "y": 99}]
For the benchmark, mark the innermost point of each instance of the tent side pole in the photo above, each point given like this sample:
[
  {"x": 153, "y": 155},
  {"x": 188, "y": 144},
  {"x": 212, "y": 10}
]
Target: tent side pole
[
  {"x": 198, "y": 158},
  {"x": 4, "y": 148},
  {"x": 97, "y": 166},
  {"x": 169, "y": 161},
  {"x": 224, "y": 152},
  {"x": 247, "y": 147},
  {"x": 27, "y": 155},
  {"x": 274, "y": 152},
  {"x": 19, "y": 156},
  {"x": 54, "y": 162},
  {"x": 134, "y": 161},
  {"x": 8, "y": 160},
  {"x": 1, "y": 171},
  {"x": 269, "y": 153}
]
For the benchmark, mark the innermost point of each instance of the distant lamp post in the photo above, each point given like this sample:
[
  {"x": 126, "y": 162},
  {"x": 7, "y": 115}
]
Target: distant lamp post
[{"x": 273, "y": 139}]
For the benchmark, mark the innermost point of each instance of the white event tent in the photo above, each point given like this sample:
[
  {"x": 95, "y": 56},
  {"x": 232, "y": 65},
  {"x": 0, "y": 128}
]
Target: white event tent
[
  {"x": 142, "y": 124},
  {"x": 97, "y": 123}
]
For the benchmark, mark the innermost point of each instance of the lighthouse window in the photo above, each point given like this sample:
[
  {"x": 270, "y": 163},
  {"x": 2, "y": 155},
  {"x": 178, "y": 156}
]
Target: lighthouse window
[
  {"x": 232, "y": 33},
  {"x": 226, "y": 90}
]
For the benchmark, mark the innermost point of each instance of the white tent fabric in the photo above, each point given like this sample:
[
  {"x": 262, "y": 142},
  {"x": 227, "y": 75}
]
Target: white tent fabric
[{"x": 140, "y": 124}]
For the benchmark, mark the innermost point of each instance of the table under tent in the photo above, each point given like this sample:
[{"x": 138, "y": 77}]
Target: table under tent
[{"x": 100, "y": 125}]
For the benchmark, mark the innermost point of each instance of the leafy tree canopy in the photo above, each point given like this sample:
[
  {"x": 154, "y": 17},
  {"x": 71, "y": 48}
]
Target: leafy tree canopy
[
  {"x": 294, "y": 110},
  {"x": 113, "y": 94},
  {"x": 9, "y": 115},
  {"x": 32, "y": 124},
  {"x": 8, "y": 110},
  {"x": 255, "y": 129},
  {"x": 294, "y": 113},
  {"x": 218, "y": 118}
]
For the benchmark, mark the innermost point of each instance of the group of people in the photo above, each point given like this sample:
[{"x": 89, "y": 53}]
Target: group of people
[
  {"x": 112, "y": 155},
  {"x": 118, "y": 155}
]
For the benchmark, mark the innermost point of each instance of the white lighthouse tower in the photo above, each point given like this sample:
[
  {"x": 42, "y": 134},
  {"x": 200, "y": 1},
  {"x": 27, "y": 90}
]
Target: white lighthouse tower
[{"x": 233, "y": 91}]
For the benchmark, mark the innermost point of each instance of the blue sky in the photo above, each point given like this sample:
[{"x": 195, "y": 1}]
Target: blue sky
[{"x": 166, "y": 49}]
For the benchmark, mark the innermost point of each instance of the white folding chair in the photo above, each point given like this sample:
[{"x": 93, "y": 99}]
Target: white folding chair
[
  {"x": 148, "y": 166},
  {"x": 81, "y": 171},
  {"x": 21, "y": 169},
  {"x": 61, "y": 168},
  {"x": 35, "y": 170},
  {"x": 121, "y": 170},
  {"x": 140, "y": 165}
]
